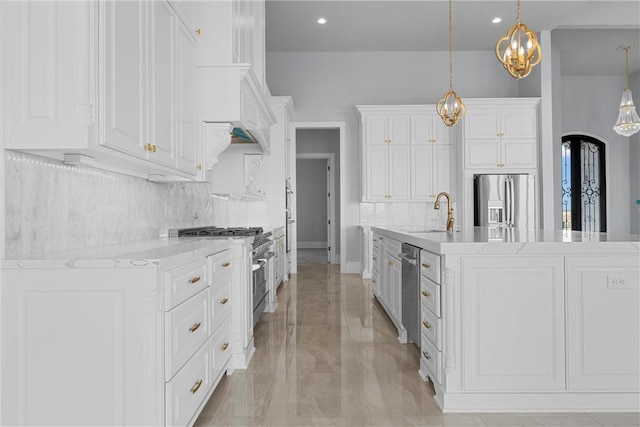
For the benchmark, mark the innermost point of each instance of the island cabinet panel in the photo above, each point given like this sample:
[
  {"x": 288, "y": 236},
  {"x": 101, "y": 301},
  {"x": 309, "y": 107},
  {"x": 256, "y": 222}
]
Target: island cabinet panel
[
  {"x": 603, "y": 323},
  {"x": 513, "y": 323}
]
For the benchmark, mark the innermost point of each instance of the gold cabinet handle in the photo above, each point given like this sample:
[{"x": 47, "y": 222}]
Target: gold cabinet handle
[
  {"x": 224, "y": 346},
  {"x": 196, "y": 386},
  {"x": 195, "y": 327},
  {"x": 198, "y": 31},
  {"x": 199, "y": 167},
  {"x": 426, "y": 355},
  {"x": 375, "y": 258},
  {"x": 223, "y": 301},
  {"x": 226, "y": 264},
  {"x": 426, "y": 294},
  {"x": 154, "y": 148},
  {"x": 194, "y": 279},
  {"x": 148, "y": 147},
  {"x": 425, "y": 265},
  {"x": 426, "y": 324}
]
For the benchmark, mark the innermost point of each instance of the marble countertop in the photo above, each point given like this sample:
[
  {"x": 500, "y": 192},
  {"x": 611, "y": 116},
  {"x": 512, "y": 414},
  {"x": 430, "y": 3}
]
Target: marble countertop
[
  {"x": 502, "y": 240},
  {"x": 134, "y": 254}
]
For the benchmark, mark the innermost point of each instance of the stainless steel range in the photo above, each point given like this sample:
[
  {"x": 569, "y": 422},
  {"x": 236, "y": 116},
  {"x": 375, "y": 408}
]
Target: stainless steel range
[{"x": 262, "y": 244}]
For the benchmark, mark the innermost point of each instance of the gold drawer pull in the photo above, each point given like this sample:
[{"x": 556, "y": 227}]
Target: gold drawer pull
[
  {"x": 198, "y": 31},
  {"x": 224, "y": 346},
  {"x": 426, "y": 294},
  {"x": 426, "y": 355},
  {"x": 425, "y": 265},
  {"x": 196, "y": 386},
  {"x": 226, "y": 264},
  {"x": 194, "y": 279},
  {"x": 223, "y": 301},
  {"x": 426, "y": 324},
  {"x": 195, "y": 327}
]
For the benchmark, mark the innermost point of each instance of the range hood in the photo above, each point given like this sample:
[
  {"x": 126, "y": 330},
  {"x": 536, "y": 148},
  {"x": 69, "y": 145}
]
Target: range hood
[{"x": 231, "y": 94}]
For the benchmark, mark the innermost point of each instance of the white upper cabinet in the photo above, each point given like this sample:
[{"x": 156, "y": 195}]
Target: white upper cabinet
[
  {"x": 103, "y": 84},
  {"x": 501, "y": 134},
  {"x": 407, "y": 153}
]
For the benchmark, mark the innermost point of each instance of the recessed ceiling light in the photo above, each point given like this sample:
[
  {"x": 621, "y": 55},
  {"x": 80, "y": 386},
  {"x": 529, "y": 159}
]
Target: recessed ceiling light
[
  {"x": 496, "y": 20},
  {"x": 322, "y": 21}
]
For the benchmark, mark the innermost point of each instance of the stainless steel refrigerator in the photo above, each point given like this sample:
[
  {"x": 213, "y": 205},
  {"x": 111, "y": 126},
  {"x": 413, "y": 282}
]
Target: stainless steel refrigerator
[{"x": 505, "y": 200}]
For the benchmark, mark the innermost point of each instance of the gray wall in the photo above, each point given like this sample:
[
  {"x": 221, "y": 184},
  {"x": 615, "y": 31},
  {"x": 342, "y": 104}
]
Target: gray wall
[
  {"x": 311, "y": 188},
  {"x": 634, "y": 159},
  {"x": 326, "y": 86},
  {"x": 324, "y": 141},
  {"x": 590, "y": 105}
]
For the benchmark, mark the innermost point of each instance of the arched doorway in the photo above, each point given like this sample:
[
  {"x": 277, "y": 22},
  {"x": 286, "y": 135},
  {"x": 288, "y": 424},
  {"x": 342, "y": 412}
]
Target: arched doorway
[{"x": 584, "y": 203}]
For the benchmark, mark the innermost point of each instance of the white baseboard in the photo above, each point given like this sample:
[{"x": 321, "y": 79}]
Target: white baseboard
[
  {"x": 352, "y": 267},
  {"x": 312, "y": 245}
]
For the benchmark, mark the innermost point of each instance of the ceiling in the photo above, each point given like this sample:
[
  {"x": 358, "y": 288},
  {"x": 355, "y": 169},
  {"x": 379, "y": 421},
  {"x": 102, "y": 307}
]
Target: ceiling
[{"x": 585, "y": 33}]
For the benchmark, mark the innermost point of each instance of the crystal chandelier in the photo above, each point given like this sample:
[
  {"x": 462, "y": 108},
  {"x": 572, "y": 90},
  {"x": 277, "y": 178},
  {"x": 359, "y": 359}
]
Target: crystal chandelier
[
  {"x": 519, "y": 50},
  {"x": 450, "y": 107},
  {"x": 628, "y": 121}
]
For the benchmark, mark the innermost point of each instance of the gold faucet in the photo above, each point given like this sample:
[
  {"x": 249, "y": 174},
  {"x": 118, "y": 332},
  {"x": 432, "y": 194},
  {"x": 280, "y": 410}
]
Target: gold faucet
[{"x": 436, "y": 205}]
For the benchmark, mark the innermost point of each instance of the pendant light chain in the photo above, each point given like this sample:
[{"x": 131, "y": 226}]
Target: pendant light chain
[
  {"x": 450, "y": 49},
  {"x": 626, "y": 66}
]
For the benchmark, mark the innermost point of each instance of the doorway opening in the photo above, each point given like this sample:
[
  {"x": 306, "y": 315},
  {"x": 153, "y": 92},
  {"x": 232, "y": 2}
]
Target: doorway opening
[
  {"x": 321, "y": 141},
  {"x": 315, "y": 207},
  {"x": 584, "y": 195}
]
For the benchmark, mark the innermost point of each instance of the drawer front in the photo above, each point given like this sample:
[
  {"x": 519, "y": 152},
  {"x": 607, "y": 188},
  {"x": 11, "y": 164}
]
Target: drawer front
[
  {"x": 183, "y": 282},
  {"x": 187, "y": 328},
  {"x": 430, "y": 266},
  {"x": 431, "y": 358},
  {"x": 221, "y": 262},
  {"x": 431, "y": 327},
  {"x": 220, "y": 302},
  {"x": 430, "y": 295},
  {"x": 221, "y": 345},
  {"x": 186, "y": 391},
  {"x": 393, "y": 248}
]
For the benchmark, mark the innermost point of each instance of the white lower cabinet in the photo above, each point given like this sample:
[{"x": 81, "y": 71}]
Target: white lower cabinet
[
  {"x": 108, "y": 341},
  {"x": 387, "y": 276},
  {"x": 513, "y": 323},
  {"x": 603, "y": 323}
]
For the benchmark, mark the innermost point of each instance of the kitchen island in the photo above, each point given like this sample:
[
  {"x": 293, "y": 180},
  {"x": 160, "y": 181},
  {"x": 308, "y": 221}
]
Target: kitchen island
[{"x": 518, "y": 320}]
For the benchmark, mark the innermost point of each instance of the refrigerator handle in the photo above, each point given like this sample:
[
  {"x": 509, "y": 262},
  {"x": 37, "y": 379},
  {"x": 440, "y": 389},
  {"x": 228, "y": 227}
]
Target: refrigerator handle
[
  {"x": 507, "y": 201},
  {"x": 511, "y": 202}
]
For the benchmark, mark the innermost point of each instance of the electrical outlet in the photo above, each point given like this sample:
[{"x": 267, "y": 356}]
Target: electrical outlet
[{"x": 617, "y": 282}]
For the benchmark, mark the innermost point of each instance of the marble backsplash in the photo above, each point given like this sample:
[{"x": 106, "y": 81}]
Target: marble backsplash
[
  {"x": 53, "y": 206},
  {"x": 414, "y": 214}
]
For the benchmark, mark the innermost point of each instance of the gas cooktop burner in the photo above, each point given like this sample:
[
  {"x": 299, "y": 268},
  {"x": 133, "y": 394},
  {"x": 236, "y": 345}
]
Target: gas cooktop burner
[{"x": 217, "y": 231}]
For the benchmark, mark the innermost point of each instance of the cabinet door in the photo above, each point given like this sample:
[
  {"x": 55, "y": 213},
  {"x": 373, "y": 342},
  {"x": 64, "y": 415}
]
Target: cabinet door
[
  {"x": 124, "y": 98},
  {"x": 186, "y": 145},
  {"x": 376, "y": 129},
  {"x": 398, "y": 129},
  {"x": 482, "y": 123},
  {"x": 376, "y": 173},
  {"x": 443, "y": 169},
  {"x": 399, "y": 174},
  {"x": 420, "y": 129},
  {"x": 421, "y": 183},
  {"x": 441, "y": 134},
  {"x": 162, "y": 83},
  {"x": 603, "y": 332},
  {"x": 519, "y": 122},
  {"x": 513, "y": 323},
  {"x": 482, "y": 153},
  {"x": 518, "y": 153}
]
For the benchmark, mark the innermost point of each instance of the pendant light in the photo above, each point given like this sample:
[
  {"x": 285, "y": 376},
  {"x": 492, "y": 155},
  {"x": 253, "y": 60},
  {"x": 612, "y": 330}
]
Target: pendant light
[
  {"x": 519, "y": 50},
  {"x": 450, "y": 107},
  {"x": 628, "y": 121}
]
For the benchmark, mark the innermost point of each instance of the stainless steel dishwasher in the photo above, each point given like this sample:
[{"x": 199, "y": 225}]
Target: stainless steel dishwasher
[{"x": 410, "y": 292}]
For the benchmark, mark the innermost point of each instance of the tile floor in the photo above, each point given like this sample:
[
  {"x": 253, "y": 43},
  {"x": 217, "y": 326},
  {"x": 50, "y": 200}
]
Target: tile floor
[
  {"x": 306, "y": 256},
  {"x": 329, "y": 356}
]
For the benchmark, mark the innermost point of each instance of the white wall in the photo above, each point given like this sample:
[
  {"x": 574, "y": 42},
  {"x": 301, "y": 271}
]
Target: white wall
[
  {"x": 327, "y": 86},
  {"x": 311, "y": 189},
  {"x": 324, "y": 141},
  {"x": 590, "y": 104}
]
